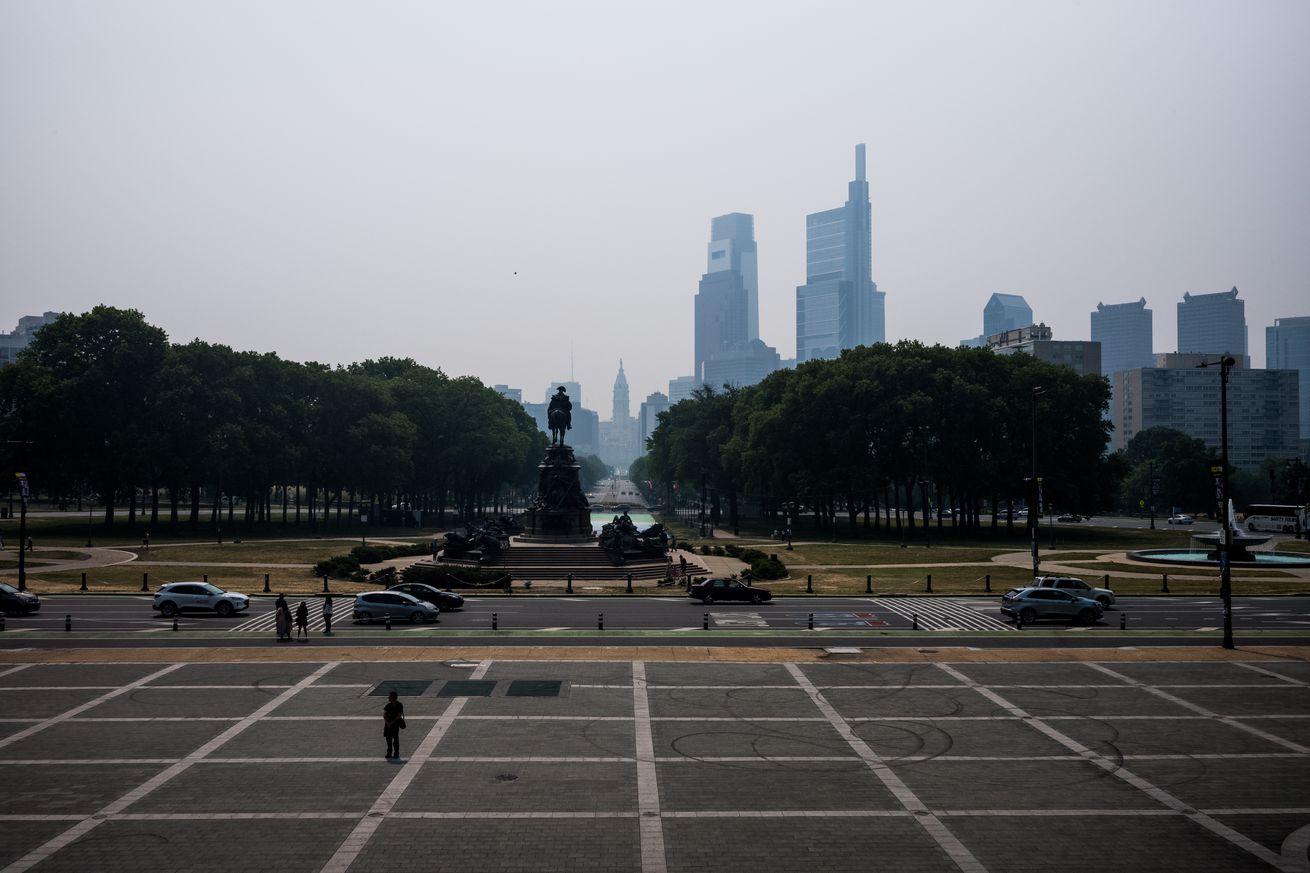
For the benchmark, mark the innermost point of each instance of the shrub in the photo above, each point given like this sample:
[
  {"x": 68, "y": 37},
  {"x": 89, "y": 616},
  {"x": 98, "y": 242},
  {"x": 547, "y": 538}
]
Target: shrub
[
  {"x": 373, "y": 554},
  {"x": 765, "y": 567},
  {"x": 718, "y": 550},
  {"x": 733, "y": 550},
  {"x": 439, "y": 576},
  {"x": 750, "y": 556},
  {"x": 706, "y": 549},
  {"x": 338, "y": 567},
  {"x": 384, "y": 578}
]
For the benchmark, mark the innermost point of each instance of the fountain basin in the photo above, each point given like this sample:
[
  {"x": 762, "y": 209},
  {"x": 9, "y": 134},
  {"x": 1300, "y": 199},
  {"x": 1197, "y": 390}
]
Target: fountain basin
[{"x": 1206, "y": 558}]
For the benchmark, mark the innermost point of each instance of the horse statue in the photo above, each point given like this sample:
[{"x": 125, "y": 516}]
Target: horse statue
[{"x": 559, "y": 423}]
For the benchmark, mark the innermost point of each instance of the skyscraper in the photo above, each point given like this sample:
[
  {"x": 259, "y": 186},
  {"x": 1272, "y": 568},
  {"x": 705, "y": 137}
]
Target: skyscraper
[
  {"x": 1287, "y": 347},
  {"x": 1124, "y": 332},
  {"x": 732, "y": 248},
  {"x": 1005, "y": 312},
  {"x": 839, "y": 306},
  {"x": 618, "y": 436},
  {"x": 1212, "y": 324},
  {"x": 721, "y": 318},
  {"x": 621, "y": 404}
]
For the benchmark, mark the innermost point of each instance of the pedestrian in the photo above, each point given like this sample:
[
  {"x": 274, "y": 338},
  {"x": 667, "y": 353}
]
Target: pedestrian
[
  {"x": 2, "y": 542},
  {"x": 302, "y": 622},
  {"x": 30, "y": 547},
  {"x": 327, "y": 614},
  {"x": 283, "y": 618},
  {"x": 393, "y": 722},
  {"x": 145, "y": 541}
]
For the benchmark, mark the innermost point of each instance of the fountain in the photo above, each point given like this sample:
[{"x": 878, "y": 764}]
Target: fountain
[{"x": 1239, "y": 550}]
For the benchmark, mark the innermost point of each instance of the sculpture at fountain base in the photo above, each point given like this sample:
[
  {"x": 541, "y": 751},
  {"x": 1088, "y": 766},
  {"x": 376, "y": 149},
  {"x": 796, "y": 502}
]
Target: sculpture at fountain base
[{"x": 560, "y": 513}]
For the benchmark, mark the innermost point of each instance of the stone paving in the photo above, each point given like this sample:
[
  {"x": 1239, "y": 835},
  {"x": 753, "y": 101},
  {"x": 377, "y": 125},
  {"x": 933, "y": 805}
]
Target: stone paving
[{"x": 651, "y": 766}]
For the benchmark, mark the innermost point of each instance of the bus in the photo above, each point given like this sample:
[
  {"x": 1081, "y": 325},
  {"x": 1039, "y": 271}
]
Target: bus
[{"x": 1276, "y": 518}]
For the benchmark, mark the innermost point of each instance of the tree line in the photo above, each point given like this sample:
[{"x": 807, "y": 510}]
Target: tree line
[
  {"x": 888, "y": 431},
  {"x": 102, "y": 406}
]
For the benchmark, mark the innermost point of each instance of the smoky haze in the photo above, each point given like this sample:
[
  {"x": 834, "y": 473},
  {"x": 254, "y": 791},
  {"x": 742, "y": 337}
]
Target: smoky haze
[{"x": 484, "y": 187}]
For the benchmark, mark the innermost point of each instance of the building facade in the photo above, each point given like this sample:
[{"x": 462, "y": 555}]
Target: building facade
[
  {"x": 1213, "y": 324},
  {"x": 16, "y": 340},
  {"x": 1124, "y": 331},
  {"x": 732, "y": 249},
  {"x": 1082, "y": 356},
  {"x": 648, "y": 417},
  {"x": 1263, "y": 409},
  {"x": 741, "y": 365},
  {"x": 1287, "y": 347},
  {"x": 618, "y": 436},
  {"x": 681, "y": 388},
  {"x": 840, "y": 306}
]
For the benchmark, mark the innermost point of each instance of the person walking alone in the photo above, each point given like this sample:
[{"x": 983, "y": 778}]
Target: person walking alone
[
  {"x": 327, "y": 614},
  {"x": 283, "y": 618},
  {"x": 393, "y": 722},
  {"x": 302, "y": 622}
]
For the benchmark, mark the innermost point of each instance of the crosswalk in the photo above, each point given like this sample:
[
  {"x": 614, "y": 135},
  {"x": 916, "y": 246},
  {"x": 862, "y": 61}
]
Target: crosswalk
[
  {"x": 267, "y": 622},
  {"x": 935, "y": 614}
]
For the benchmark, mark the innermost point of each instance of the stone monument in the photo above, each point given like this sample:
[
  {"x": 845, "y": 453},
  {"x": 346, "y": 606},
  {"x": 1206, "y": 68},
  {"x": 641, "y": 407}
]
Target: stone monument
[{"x": 560, "y": 512}]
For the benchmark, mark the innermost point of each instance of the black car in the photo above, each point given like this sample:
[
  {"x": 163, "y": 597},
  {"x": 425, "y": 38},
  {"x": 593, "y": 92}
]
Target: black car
[
  {"x": 443, "y": 600},
  {"x": 725, "y": 590},
  {"x": 15, "y": 602}
]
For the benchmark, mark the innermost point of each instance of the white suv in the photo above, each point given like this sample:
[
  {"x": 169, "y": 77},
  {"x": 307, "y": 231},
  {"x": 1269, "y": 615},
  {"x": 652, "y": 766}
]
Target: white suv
[
  {"x": 178, "y": 597},
  {"x": 1076, "y": 587}
]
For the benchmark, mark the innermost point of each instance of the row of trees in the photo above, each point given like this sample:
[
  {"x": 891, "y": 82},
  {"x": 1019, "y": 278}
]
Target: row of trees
[
  {"x": 886, "y": 427},
  {"x": 102, "y": 404}
]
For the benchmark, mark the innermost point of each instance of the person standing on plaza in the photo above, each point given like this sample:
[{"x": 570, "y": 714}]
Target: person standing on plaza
[
  {"x": 283, "y": 618},
  {"x": 302, "y": 622},
  {"x": 393, "y": 721},
  {"x": 327, "y": 614}
]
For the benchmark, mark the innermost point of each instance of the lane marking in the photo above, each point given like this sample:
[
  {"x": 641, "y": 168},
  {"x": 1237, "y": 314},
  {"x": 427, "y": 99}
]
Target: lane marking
[
  {"x": 653, "y": 857},
  {"x": 1272, "y": 673}
]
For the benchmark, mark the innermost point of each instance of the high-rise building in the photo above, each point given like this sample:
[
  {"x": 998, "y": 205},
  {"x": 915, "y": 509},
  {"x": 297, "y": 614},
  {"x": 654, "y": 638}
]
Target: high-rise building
[
  {"x": 740, "y": 365},
  {"x": 621, "y": 405},
  {"x": 1124, "y": 332},
  {"x": 1001, "y": 313},
  {"x": 15, "y": 341},
  {"x": 648, "y": 417},
  {"x": 618, "y": 436},
  {"x": 573, "y": 389},
  {"x": 720, "y": 315},
  {"x": 515, "y": 394},
  {"x": 732, "y": 249},
  {"x": 839, "y": 306},
  {"x": 1081, "y": 356},
  {"x": 681, "y": 388},
  {"x": 1263, "y": 409},
  {"x": 1212, "y": 324},
  {"x": 1287, "y": 347}
]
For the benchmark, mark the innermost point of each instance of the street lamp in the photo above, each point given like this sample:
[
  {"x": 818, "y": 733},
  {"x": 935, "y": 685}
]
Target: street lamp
[
  {"x": 1225, "y": 364},
  {"x": 1034, "y": 510}
]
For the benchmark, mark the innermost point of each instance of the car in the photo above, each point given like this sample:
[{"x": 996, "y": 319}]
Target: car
[
  {"x": 1069, "y": 517},
  {"x": 446, "y": 601},
  {"x": 396, "y": 604},
  {"x": 15, "y": 602},
  {"x": 727, "y": 590},
  {"x": 175, "y": 597},
  {"x": 1181, "y": 519},
  {"x": 1077, "y": 587},
  {"x": 1031, "y": 604}
]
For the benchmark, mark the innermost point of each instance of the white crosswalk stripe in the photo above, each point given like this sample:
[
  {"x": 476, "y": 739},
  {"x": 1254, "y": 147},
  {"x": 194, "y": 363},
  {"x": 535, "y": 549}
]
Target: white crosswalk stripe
[
  {"x": 937, "y": 614},
  {"x": 267, "y": 623}
]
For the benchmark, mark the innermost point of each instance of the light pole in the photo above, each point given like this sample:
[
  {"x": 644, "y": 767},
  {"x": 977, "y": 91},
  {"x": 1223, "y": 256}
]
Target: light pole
[
  {"x": 1151, "y": 489},
  {"x": 1034, "y": 507},
  {"x": 1225, "y": 364}
]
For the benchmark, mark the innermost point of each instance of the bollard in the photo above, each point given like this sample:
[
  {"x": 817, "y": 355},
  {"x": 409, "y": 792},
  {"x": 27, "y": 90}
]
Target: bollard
[
  {"x": 266, "y": 588},
  {"x": 495, "y": 618},
  {"x": 568, "y": 588},
  {"x": 705, "y": 621},
  {"x": 145, "y": 581},
  {"x": 1123, "y": 621},
  {"x": 928, "y": 590},
  {"x": 175, "y": 622},
  {"x": 83, "y": 588},
  {"x": 2, "y": 621},
  {"x": 811, "y": 621},
  {"x": 1105, "y": 581},
  {"x": 809, "y": 584},
  {"x": 205, "y": 577},
  {"x": 629, "y": 583},
  {"x": 388, "y": 621},
  {"x": 868, "y": 584},
  {"x": 68, "y": 622},
  {"x": 914, "y": 621},
  {"x": 600, "y": 621},
  {"x": 1164, "y": 583},
  {"x": 987, "y": 583},
  {"x": 325, "y": 585},
  {"x": 1018, "y": 621}
]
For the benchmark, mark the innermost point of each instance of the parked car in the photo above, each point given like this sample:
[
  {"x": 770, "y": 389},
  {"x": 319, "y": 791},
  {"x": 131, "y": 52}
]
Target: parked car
[
  {"x": 397, "y": 604},
  {"x": 443, "y": 600},
  {"x": 1031, "y": 604},
  {"x": 15, "y": 602},
  {"x": 1078, "y": 588},
  {"x": 1069, "y": 517},
  {"x": 727, "y": 590},
  {"x": 1181, "y": 519},
  {"x": 175, "y": 597}
]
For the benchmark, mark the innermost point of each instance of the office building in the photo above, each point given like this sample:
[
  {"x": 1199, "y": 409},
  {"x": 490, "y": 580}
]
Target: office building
[
  {"x": 1287, "y": 347},
  {"x": 648, "y": 417},
  {"x": 1001, "y": 313},
  {"x": 1212, "y": 324},
  {"x": 16, "y": 340},
  {"x": 720, "y": 316},
  {"x": 740, "y": 365},
  {"x": 1124, "y": 332},
  {"x": 732, "y": 249},
  {"x": 1081, "y": 356},
  {"x": 1263, "y": 409},
  {"x": 515, "y": 394},
  {"x": 839, "y": 306},
  {"x": 681, "y": 388}
]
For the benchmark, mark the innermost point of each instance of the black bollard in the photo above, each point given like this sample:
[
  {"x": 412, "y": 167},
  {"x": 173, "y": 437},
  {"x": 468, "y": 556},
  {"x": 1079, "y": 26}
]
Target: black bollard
[
  {"x": 568, "y": 588},
  {"x": 388, "y": 621},
  {"x": 145, "y": 581},
  {"x": 705, "y": 621},
  {"x": 629, "y": 583},
  {"x": 809, "y": 584},
  {"x": 205, "y": 577},
  {"x": 325, "y": 585},
  {"x": 811, "y": 621},
  {"x": 68, "y": 622},
  {"x": 266, "y": 588},
  {"x": 868, "y": 584},
  {"x": 987, "y": 583},
  {"x": 600, "y": 621},
  {"x": 928, "y": 590},
  {"x": 175, "y": 622},
  {"x": 1105, "y": 581},
  {"x": 83, "y": 588},
  {"x": 914, "y": 621},
  {"x": 1123, "y": 621},
  {"x": 1018, "y": 622},
  {"x": 2, "y": 621},
  {"x": 1164, "y": 583},
  {"x": 495, "y": 618}
]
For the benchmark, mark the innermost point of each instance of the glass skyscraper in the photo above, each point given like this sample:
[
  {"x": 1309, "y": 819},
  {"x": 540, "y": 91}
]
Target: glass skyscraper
[
  {"x": 1287, "y": 347},
  {"x": 1212, "y": 324},
  {"x": 839, "y": 306},
  {"x": 732, "y": 248},
  {"x": 1124, "y": 331}
]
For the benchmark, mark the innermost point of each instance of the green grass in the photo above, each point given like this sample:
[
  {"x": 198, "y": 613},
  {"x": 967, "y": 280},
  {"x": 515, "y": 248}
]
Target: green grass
[{"x": 1099, "y": 567}]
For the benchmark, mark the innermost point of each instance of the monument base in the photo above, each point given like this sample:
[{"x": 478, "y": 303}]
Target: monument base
[{"x": 560, "y": 513}]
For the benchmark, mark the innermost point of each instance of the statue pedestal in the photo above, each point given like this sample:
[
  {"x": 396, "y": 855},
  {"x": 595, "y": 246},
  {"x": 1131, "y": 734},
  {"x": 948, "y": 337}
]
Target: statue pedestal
[{"x": 560, "y": 514}]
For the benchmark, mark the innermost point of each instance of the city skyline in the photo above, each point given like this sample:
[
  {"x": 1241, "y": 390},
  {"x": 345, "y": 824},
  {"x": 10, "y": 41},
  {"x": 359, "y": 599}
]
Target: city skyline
[{"x": 510, "y": 195}]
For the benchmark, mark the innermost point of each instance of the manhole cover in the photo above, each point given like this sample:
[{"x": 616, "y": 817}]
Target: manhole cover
[
  {"x": 467, "y": 688},
  {"x": 534, "y": 688},
  {"x": 506, "y": 777},
  {"x": 402, "y": 687}
]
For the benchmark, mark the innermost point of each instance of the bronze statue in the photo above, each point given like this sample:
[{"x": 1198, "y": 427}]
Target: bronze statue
[{"x": 560, "y": 415}]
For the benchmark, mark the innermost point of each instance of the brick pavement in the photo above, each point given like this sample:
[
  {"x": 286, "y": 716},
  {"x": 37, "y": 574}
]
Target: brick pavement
[{"x": 651, "y": 766}]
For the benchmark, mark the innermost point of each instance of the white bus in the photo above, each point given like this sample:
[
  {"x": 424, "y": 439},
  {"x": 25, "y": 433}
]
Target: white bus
[{"x": 1275, "y": 518}]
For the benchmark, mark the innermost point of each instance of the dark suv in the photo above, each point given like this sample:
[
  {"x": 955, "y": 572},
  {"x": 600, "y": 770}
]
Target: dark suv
[{"x": 724, "y": 590}]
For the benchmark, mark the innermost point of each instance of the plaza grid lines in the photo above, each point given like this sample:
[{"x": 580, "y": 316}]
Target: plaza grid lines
[{"x": 830, "y": 705}]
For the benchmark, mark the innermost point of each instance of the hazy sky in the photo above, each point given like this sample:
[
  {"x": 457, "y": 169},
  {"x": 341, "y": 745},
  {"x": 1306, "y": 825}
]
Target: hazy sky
[{"x": 480, "y": 186}]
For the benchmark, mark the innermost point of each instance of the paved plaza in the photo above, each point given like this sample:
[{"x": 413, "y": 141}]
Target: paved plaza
[{"x": 657, "y": 766}]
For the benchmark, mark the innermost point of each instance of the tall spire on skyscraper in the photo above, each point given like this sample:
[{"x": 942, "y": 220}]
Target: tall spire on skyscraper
[{"x": 621, "y": 405}]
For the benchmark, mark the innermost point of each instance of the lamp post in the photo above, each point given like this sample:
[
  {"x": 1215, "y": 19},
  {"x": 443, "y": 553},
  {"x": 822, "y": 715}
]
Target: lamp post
[
  {"x": 90, "y": 508},
  {"x": 1225, "y": 364},
  {"x": 1034, "y": 507},
  {"x": 22, "y": 530}
]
